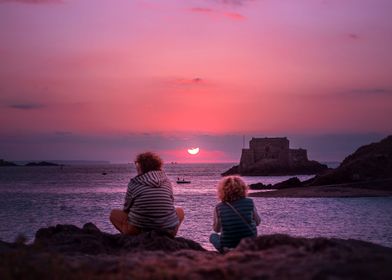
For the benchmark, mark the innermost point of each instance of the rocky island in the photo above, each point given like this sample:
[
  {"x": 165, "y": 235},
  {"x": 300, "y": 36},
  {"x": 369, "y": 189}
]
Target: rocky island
[
  {"x": 366, "y": 172},
  {"x": 69, "y": 252},
  {"x": 273, "y": 156},
  {"x": 41, "y": 163}
]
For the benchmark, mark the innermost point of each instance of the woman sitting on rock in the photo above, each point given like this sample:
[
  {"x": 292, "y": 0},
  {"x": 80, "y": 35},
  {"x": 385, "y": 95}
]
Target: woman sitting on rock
[
  {"x": 235, "y": 217},
  {"x": 149, "y": 202}
]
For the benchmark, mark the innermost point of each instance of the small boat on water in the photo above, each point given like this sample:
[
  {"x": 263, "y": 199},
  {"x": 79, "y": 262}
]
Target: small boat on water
[{"x": 183, "y": 181}]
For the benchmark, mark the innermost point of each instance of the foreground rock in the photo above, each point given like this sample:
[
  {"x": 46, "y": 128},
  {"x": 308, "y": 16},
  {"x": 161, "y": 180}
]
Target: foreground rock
[
  {"x": 68, "y": 252},
  {"x": 90, "y": 240},
  {"x": 272, "y": 156}
]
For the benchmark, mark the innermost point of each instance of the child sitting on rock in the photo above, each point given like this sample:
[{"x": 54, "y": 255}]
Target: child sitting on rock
[{"x": 235, "y": 217}]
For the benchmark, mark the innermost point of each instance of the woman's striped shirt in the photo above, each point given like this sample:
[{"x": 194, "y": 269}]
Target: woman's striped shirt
[{"x": 150, "y": 202}]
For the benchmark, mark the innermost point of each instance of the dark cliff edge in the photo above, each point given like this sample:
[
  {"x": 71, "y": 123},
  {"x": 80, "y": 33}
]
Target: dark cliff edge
[{"x": 69, "y": 252}]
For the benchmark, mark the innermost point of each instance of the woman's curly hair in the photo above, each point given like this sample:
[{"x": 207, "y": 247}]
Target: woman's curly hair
[
  {"x": 148, "y": 161},
  {"x": 232, "y": 188}
]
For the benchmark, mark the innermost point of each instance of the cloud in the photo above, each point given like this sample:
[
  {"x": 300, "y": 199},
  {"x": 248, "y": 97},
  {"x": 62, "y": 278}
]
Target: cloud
[
  {"x": 26, "y": 106},
  {"x": 235, "y": 16},
  {"x": 216, "y": 13},
  {"x": 353, "y": 36},
  {"x": 202, "y": 10},
  {"x": 234, "y": 2},
  {"x": 33, "y": 1},
  {"x": 187, "y": 82}
]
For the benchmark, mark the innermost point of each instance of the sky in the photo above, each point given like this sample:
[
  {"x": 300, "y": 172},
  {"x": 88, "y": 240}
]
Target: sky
[{"x": 105, "y": 80}]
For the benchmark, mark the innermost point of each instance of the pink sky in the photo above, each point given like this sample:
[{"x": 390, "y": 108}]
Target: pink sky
[{"x": 181, "y": 70}]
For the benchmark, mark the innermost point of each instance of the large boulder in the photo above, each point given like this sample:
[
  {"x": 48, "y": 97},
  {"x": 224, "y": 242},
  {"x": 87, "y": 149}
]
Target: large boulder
[{"x": 90, "y": 240}]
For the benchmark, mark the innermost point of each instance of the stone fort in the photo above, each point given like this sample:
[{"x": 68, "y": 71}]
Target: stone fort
[
  {"x": 273, "y": 156},
  {"x": 272, "y": 151}
]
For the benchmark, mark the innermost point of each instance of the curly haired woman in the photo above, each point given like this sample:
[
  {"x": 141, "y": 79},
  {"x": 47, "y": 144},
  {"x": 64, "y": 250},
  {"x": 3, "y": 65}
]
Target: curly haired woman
[{"x": 235, "y": 217}]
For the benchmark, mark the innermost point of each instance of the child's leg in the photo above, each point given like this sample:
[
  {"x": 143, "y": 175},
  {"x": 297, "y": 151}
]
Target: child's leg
[
  {"x": 119, "y": 219},
  {"x": 215, "y": 240}
]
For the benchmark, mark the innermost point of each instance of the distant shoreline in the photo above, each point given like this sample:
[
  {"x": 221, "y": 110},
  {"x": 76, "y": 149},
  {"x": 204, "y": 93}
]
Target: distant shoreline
[{"x": 324, "y": 191}]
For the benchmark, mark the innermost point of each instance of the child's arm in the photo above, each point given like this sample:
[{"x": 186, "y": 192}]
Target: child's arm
[{"x": 216, "y": 224}]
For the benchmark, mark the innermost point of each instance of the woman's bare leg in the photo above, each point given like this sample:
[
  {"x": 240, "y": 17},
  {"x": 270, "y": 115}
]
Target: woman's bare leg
[
  {"x": 119, "y": 219},
  {"x": 181, "y": 215}
]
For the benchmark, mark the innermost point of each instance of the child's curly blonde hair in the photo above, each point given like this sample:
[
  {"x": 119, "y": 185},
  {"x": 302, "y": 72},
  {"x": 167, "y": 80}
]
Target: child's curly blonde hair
[{"x": 232, "y": 188}]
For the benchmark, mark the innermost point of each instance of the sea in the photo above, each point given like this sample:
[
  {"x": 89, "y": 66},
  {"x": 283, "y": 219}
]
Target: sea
[{"x": 36, "y": 197}]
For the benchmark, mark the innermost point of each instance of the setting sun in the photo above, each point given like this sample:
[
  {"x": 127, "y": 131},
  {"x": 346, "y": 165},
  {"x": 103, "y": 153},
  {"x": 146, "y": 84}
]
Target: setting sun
[{"x": 193, "y": 151}]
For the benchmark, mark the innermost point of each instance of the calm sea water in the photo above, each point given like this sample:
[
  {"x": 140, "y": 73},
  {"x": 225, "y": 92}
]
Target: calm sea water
[{"x": 35, "y": 197}]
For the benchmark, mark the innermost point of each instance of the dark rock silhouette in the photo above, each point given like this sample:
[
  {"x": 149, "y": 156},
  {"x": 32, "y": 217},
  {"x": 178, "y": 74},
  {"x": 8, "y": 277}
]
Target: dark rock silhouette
[
  {"x": 293, "y": 182},
  {"x": 7, "y": 163},
  {"x": 261, "y": 186},
  {"x": 41, "y": 163},
  {"x": 68, "y": 252},
  {"x": 369, "y": 163},
  {"x": 272, "y": 156}
]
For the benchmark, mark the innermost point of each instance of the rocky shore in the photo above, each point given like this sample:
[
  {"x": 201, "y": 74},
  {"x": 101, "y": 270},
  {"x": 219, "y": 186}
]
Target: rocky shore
[
  {"x": 344, "y": 190},
  {"x": 69, "y": 252},
  {"x": 366, "y": 172}
]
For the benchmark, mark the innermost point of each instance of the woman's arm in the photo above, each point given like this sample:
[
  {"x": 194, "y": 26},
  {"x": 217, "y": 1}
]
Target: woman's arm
[
  {"x": 128, "y": 200},
  {"x": 217, "y": 227},
  {"x": 256, "y": 216}
]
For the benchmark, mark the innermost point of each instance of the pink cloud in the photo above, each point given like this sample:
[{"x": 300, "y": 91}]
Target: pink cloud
[
  {"x": 353, "y": 36},
  {"x": 216, "y": 13},
  {"x": 234, "y": 16},
  {"x": 202, "y": 10},
  {"x": 234, "y": 2},
  {"x": 33, "y": 1},
  {"x": 187, "y": 82}
]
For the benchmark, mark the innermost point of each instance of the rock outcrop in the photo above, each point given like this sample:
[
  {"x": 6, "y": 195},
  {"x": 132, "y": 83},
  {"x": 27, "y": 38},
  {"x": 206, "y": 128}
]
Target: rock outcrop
[
  {"x": 68, "y": 252},
  {"x": 272, "y": 156},
  {"x": 370, "y": 163},
  {"x": 41, "y": 163},
  {"x": 293, "y": 182},
  {"x": 7, "y": 163}
]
